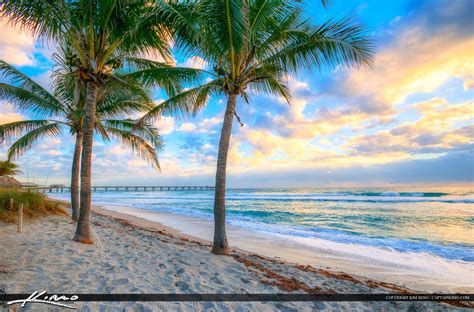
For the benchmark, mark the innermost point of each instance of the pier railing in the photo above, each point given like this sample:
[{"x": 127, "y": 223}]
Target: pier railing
[{"x": 60, "y": 189}]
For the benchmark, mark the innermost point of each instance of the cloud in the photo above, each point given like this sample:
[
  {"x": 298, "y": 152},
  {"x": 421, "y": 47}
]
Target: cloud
[
  {"x": 16, "y": 46},
  {"x": 8, "y": 113},
  {"x": 207, "y": 147},
  {"x": 437, "y": 131},
  {"x": 455, "y": 167},
  {"x": 165, "y": 125},
  {"x": 117, "y": 149},
  {"x": 43, "y": 79},
  {"x": 209, "y": 125},
  {"x": 416, "y": 61},
  {"x": 455, "y": 16},
  {"x": 187, "y": 127},
  {"x": 19, "y": 48},
  {"x": 306, "y": 118},
  {"x": 54, "y": 152},
  {"x": 194, "y": 62},
  {"x": 205, "y": 126},
  {"x": 468, "y": 84}
]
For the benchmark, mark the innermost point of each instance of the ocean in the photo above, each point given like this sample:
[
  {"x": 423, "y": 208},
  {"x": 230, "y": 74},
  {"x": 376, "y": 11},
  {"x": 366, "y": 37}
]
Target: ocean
[{"x": 431, "y": 223}]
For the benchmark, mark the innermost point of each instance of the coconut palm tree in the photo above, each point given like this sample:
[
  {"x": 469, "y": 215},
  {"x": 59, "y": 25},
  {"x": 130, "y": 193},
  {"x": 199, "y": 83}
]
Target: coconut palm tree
[
  {"x": 252, "y": 47},
  {"x": 8, "y": 168},
  {"x": 66, "y": 105},
  {"x": 106, "y": 38}
]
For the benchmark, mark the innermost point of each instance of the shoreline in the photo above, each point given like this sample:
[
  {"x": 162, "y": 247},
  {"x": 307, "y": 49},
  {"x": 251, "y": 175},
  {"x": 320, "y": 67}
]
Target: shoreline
[
  {"x": 131, "y": 255},
  {"x": 413, "y": 271}
]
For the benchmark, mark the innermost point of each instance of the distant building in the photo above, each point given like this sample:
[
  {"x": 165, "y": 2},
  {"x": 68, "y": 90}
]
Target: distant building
[
  {"x": 9, "y": 182},
  {"x": 29, "y": 184},
  {"x": 57, "y": 185}
]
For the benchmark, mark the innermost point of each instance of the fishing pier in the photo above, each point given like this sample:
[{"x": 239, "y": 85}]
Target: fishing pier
[{"x": 61, "y": 189}]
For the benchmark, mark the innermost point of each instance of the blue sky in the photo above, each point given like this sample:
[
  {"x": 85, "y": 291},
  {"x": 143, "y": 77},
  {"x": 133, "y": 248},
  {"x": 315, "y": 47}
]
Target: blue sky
[{"x": 407, "y": 120}]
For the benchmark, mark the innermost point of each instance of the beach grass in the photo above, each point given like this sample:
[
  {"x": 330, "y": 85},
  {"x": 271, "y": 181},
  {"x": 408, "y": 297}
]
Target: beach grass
[{"x": 35, "y": 205}]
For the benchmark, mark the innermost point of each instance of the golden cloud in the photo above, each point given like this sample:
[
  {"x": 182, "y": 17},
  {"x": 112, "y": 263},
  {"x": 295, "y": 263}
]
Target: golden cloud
[
  {"x": 415, "y": 63},
  {"x": 16, "y": 46},
  {"x": 438, "y": 129}
]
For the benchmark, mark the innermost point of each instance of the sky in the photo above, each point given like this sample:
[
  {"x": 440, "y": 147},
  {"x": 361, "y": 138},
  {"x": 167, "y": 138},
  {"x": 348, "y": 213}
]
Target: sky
[{"x": 408, "y": 120}]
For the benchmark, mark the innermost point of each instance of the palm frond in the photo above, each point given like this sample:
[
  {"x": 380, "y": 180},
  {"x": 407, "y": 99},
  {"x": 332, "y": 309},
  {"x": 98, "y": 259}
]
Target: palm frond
[
  {"x": 140, "y": 63},
  {"x": 25, "y": 142},
  {"x": 17, "y": 128},
  {"x": 271, "y": 85},
  {"x": 145, "y": 130},
  {"x": 68, "y": 88},
  {"x": 100, "y": 129},
  {"x": 43, "y": 18},
  {"x": 142, "y": 30},
  {"x": 183, "y": 19},
  {"x": 277, "y": 28},
  {"x": 266, "y": 18},
  {"x": 326, "y": 3},
  {"x": 118, "y": 99},
  {"x": 26, "y": 100},
  {"x": 23, "y": 81},
  {"x": 341, "y": 42},
  {"x": 169, "y": 78},
  {"x": 187, "y": 102},
  {"x": 226, "y": 26},
  {"x": 138, "y": 145},
  {"x": 122, "y": 107}
]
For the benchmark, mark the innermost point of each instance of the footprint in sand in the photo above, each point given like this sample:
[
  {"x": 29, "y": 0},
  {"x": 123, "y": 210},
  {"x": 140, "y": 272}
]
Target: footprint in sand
[
  {"x": 181, "y": 285},
  {"x": 216, "y": 280},
  {"x": 120, "y": 281}
]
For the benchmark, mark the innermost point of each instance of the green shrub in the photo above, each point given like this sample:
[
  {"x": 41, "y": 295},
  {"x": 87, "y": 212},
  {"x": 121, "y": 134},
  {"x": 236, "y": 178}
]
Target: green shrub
[{"x": 35, "y": 205}]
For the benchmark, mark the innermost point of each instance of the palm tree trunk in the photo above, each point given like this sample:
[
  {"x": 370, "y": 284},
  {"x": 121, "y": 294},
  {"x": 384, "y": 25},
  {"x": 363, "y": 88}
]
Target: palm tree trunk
[
  {"x": 83, "y": 231},
  {"x": 76, "y": 161},
  {"x": 76, "y": 168},
  {"x": 220, "y": 245}
]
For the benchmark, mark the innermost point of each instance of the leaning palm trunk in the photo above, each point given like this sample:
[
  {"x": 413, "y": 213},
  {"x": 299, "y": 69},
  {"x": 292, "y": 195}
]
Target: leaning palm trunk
[
  {"x": 76, "y": 161},
  {"x": 76, "y": 170},
  {"x": 220, "y": 245},
  {"x": 83, "y": 231}
]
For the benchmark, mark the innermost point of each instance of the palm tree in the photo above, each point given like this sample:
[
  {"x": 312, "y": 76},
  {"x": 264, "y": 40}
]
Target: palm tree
[
  {"x": 252, "y": 46},
  {"x": 8, "y": 168},
  {"x": 106, "y": 38},
  {"x": 68, "y": 108}
]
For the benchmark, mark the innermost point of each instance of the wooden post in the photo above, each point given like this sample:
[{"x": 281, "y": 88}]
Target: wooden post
[
  {"x": 11, "y": 203},
  {"x": 20, "y": 218}
]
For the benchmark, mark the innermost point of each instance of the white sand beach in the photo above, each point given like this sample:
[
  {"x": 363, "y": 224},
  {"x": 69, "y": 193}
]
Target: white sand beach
[
  {"x": 132, "y": 255},
  {"x": 417, "y": 271}
]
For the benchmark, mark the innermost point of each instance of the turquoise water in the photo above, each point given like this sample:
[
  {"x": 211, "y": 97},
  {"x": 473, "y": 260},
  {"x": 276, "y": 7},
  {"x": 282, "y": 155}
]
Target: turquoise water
[{"x": 436, "y": 221}]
